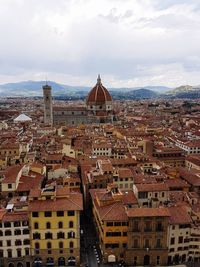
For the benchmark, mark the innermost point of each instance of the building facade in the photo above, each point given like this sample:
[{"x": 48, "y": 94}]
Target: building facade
[
  {"x": 98, "y": 108},
  {"x": 55, "y": 226}
]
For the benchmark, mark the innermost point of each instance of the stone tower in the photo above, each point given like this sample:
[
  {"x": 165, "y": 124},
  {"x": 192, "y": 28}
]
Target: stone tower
[{"x": 48, "y": 108}]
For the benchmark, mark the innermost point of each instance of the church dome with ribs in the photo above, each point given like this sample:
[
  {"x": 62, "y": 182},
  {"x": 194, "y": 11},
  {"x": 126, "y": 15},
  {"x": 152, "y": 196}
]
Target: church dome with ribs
[{"x": 99, "y": 94}]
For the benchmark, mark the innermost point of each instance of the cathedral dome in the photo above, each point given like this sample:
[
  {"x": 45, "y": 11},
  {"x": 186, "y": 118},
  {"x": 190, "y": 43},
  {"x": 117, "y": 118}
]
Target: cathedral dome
[{"x": 99, "y": 94}]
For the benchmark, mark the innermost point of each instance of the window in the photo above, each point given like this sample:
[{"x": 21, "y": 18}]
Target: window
[
  {"x": 7, "y": 224},
  {"x": 71, "y": 234},
  {"x": 135, "y": 243},
  {"x": 113, "y": 234},
  {"x": 71, "y": 224},
  {"x": 17, "y": 232},
  {"x": 60, "y": 235},
  {"x": 26, "y": 241},
  {"x": 135, "y": 260},
  {"x": 48, "y": 225},
  {"x": 19, "y": 253},
  {"x": 27, "y": 251},
  {"x": 1, "y": 233},
  {"x": 158, "y": 260},
  {"x": 147, "y": 227},
  {"x": 36, "y": 236},
  {"x": 109, "y": 223},
  {"x": 36, "y": 225},
  {"x": 142, "y": 195},
  {"x": 9, "y": 253},
  {"x": 60, "y": 244},
  {"x": 49, "y": 245},
  {"x": 146, "y": 243},
  {"x": 71, "y": 244},
  {"x": 172, "y": 241},
  {"x": 60, "y": 225},
  {"x": 35, "y": 214},
  {"x": 159, "y": 227},
  {"x": 180, "y": 239},
  {"x": 1, "y": 254},
  {"x": 47, "y": 214},
  {"x": 48, "y": 235},
  {"x": 60, "y": 213},
  {"x": 8, "y": 243},
  {"x": 9, "y": 186},
  {"x": 16, "y": 224},
  {"x": 26, "y": 231},
  {"x": 135, "y": 226},
  {"x": 18, "y": 242},
  {"x": 37, "y": 245},
  {"x": 8, "y": 232},
  {"x": 70, "y": 213},
  {"x": 25, "y": 223},
  {"x": 117, "y": 223},
  {"x": 158, "y": 243}
]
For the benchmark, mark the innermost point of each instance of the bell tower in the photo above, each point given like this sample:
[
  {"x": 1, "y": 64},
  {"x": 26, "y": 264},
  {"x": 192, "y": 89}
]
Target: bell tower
[{"x": 48, "y": 108}]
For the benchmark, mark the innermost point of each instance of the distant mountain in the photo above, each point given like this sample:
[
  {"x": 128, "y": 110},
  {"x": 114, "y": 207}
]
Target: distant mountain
[
  {"x": 34, "y": 88},
  {"x": 185, "y": 91},
  {"x": 133, "y": 94}
]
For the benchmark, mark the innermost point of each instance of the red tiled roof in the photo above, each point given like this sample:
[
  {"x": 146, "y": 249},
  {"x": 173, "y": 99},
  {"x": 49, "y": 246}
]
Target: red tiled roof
[
  {"x": 99, "y": 94},
  {"x": 148, "y": 212},
  {"x": 152, "y": 187},
  {"x": 72, "y": 202},
  {"x": 15, "y": 216},
  {"x": 179, "y": 215},
  {"x": 11, "y": 174}
]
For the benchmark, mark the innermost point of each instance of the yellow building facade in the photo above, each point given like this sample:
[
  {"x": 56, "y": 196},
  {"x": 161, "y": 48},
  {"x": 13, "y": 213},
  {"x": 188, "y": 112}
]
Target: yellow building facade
[{"x": 54, "y": 216}]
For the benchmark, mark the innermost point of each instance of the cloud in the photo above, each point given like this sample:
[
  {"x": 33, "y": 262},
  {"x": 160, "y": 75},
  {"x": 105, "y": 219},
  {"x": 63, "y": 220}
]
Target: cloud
[{"x": 140, "y": 42}]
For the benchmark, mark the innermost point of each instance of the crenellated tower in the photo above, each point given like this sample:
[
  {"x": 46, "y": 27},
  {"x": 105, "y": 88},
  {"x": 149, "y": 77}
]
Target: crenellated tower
[{"x": 48, "y": 108}]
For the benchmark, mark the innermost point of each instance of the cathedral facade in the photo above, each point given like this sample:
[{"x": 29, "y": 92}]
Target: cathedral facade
[{"x": 98, "y": 108}]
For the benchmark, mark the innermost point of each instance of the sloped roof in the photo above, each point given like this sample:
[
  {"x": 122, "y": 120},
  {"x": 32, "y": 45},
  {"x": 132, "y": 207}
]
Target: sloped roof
[{"x": 22, "y": 117}]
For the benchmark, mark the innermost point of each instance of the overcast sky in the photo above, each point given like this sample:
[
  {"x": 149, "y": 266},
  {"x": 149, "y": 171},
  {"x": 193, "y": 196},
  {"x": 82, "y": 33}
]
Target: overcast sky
[{"x": 129, "y": 42}]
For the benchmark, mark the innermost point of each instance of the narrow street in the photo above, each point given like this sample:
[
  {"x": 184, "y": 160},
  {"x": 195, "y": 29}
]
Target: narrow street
[{"x": 90, "y": 252}]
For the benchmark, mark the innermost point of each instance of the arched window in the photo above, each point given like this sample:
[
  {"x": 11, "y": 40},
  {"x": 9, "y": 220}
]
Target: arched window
[
  {"x": 71, "y": 234},
  {"x": 48, "y": 225},
  {"x": 36, "y": 225},
  {"x": 60, "y": 225},
  {"x": 60, "y": 235},
  {"x": 49, "y": 245},
  {"x": 48, "y": 236},
  {"x": 60, "y": 244},
  {"x": 37, "y": 245},
  {"x": 61, "y": 261},
  {"x": 36, "y": 236},
  {"x": 11, "y": 264},
  {"x": 71, "y": 244},
  {"x": 71, "y": 224}
]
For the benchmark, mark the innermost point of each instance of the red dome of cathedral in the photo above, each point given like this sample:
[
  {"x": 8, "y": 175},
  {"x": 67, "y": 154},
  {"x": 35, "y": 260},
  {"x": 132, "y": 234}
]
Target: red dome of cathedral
[{"x": 99, "y": 94}]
